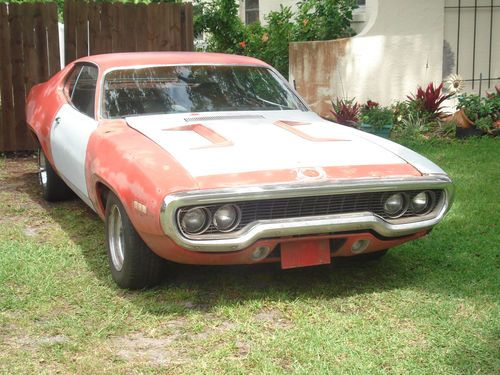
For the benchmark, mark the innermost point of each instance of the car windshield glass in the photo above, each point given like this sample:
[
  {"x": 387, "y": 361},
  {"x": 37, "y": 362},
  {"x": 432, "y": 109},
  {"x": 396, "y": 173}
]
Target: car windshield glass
[{"x": 180, "y": 89}]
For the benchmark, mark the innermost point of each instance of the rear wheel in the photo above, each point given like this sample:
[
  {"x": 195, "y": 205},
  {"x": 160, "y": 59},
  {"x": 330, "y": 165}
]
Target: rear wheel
[
  {"x": 133, "y": 265},
  {"x": 53, "y": 187}
]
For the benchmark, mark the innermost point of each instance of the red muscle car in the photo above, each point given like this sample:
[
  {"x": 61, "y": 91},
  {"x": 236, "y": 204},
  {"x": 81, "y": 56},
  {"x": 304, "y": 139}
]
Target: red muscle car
[{"x": 214, "y": 159}]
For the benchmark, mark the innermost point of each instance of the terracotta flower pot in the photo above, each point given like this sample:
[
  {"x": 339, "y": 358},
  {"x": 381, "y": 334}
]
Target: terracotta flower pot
[{"x": 461, "y": 119}]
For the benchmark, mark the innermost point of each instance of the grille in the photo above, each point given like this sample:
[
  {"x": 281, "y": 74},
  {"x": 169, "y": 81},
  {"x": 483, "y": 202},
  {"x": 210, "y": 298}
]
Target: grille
[
  {"x": 315, "y": 206},
  {"x": 222, "y": 117}
]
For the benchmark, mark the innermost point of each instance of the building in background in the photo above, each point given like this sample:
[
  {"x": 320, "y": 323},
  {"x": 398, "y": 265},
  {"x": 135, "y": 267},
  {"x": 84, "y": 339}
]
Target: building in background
[
  {"x": 257, "y": 10},
  {"x": 402, "y": 44}
]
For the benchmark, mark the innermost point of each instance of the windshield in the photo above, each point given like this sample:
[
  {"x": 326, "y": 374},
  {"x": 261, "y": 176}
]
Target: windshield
[{"x": 180, "y": 89}]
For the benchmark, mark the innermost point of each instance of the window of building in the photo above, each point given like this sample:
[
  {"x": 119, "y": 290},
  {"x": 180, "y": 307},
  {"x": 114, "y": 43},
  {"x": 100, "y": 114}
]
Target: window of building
[
  {"x": 251, "y": 11},
  {"x": 361, "y": 3}
]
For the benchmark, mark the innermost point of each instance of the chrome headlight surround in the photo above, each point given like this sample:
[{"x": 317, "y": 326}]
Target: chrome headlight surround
[{"x": 245, "y": 237}]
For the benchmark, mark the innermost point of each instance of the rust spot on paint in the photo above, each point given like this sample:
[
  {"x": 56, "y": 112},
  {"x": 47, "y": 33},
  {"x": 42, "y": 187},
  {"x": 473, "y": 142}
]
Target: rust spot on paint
[
  {"x": 140, "y": 208},
  {"x": 207, "y": 133}
]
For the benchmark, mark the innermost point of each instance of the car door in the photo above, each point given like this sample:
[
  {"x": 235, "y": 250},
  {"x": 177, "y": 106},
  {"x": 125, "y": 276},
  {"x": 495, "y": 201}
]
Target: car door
[{"x": 73, "y": 125}]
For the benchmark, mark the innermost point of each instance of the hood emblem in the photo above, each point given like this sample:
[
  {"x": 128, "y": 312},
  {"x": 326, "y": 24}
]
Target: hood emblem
[{"x": 312, "y": 173}]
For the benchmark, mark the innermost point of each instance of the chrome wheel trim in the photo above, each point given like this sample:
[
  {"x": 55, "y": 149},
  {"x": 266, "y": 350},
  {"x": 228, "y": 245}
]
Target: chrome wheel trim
[
  {"x": 115, "y": 237},
  {"x": 42, "y": 169}
]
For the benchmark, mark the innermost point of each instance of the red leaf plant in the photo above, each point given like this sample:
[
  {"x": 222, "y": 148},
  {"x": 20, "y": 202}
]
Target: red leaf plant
[
  {"x": 346, "y": 112},
  {"x": 370, "y": 104},
  {"x": 430, "y": 99}
]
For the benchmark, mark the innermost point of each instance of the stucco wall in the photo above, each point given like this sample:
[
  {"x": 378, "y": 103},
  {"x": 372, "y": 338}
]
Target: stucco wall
[{"x": 401, "y": 47}]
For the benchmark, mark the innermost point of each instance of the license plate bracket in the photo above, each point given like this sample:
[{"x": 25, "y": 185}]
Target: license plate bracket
[{"x": 305, "y": 253}]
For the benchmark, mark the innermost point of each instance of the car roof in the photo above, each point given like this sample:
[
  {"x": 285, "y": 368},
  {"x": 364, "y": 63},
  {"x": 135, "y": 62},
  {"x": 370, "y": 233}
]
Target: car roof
[{"x": 129, "y": 59}]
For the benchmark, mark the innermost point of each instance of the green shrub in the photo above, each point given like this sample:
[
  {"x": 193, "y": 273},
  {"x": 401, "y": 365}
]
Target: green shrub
[
  {"x": 485, "y": 124},
  {"x": 314, "y": 20},
  {"x": 323, "y": 19},
  {"x": 376, "y": 116}
]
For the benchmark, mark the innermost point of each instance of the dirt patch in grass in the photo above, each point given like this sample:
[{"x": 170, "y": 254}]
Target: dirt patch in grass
[
  {"x": 273, "y": 319},
  {"x": 34, "y": 343},
  {"x": 138, "y": 348}
]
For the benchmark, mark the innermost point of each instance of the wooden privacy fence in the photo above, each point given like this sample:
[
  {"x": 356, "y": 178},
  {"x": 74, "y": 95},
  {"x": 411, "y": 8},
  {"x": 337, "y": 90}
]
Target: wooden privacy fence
[
  {"x": 29, "y": 54},
  {"x": 92, "y": 28},
  {"x": 29, "y": 46}
]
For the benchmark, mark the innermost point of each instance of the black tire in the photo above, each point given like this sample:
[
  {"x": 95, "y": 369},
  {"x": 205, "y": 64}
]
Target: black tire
[
  {"x": 139, "y": 267},
  {"x": 53, "y": 187}
]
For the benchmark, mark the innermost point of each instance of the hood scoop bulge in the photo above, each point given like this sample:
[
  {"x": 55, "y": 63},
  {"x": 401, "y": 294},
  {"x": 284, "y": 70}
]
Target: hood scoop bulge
[{"x": 222, "y": 117}]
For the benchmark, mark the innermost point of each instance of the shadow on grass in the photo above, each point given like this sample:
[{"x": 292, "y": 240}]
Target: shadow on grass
[{"x": 436, "y": 264}]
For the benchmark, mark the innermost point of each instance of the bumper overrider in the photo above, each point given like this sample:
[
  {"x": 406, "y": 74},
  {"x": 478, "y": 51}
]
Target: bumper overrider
[{"x": 309, "y": 225}]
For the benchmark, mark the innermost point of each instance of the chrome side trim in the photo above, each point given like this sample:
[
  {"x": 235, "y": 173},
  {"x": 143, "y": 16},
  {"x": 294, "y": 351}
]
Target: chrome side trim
[{"x": 305, "y": 225}]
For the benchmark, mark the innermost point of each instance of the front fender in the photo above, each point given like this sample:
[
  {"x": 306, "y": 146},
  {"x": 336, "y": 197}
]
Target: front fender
[{"x": 136, "y": 170}]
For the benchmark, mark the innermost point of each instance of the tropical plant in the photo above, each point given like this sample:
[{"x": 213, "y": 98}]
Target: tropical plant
[
  {"x": 411, "y": 127},
  {"x": 429, "y": 100},
  {"x": 346, "y": 112}
]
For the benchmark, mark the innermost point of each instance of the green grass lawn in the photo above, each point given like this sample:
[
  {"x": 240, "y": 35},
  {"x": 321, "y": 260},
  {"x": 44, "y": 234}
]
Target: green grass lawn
[{"x": 429, "y": 307}]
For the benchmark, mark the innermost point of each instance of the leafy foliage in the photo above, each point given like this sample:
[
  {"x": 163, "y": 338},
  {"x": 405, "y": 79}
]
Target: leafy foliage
[
  {"x": 220, "y": 18},
  {"x": 484, "y": 123},
  {"x": 314, "y": 20},
  {"x": 323, "y": 19},
  {"x": 375, "y": 115},
  {"x": 476, "y": 107},
  {"x": 430, "y": 99},
  {"x": 346, "y": 112}
]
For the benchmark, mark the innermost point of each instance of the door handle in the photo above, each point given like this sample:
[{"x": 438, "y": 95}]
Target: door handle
[{"x": 57, "y": 121}]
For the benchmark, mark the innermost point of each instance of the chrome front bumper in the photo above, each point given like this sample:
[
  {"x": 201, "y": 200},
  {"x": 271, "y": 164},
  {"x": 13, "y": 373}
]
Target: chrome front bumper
[{"x": 326, "y": 224}]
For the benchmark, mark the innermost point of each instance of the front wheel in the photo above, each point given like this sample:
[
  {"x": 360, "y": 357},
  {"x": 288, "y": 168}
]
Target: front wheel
[{"x": 133, "y": 265}]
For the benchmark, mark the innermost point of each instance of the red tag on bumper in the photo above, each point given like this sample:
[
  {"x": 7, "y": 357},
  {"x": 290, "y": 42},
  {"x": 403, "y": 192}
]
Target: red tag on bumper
[{"x": 305, "y": 253}]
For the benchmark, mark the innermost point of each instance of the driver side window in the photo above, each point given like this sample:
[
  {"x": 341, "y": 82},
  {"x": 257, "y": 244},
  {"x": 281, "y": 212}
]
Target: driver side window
[{"x": 80, "y": 88}]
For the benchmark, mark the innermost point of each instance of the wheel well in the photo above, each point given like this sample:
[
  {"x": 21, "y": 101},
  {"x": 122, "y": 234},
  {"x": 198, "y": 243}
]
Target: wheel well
[
  {"x": 102, "y": 195},
  {"x": 35, "y": 139}
]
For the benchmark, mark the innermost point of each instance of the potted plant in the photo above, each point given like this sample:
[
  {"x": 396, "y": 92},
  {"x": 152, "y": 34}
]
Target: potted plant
[
  {"x": 477, "y": 115},
  {"x": 494, "y": 100},
  {"x": 346, "y": 112},
  {"x": 376, "y": 119}
]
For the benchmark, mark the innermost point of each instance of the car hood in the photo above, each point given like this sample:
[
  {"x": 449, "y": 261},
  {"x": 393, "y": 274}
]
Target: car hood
[{"x": 275, "y": 146}]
